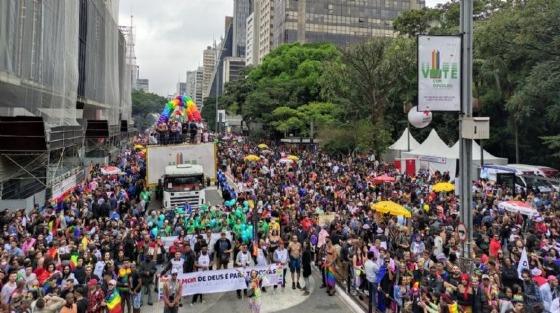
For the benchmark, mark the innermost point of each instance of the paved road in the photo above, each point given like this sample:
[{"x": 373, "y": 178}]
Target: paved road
[{"x": 281, "y": 300}]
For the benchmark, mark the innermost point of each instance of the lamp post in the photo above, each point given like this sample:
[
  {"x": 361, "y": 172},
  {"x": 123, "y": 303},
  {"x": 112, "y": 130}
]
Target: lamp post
[{"x": 466, "y": 18}]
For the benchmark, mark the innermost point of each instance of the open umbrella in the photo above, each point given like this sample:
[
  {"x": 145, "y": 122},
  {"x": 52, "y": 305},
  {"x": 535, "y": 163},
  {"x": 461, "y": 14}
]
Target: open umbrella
[
  {"x": 383, "y": 179},
  {"x": 262, "y": 146},
  {"x": 443, "y": 187},
  {"x": 110, "y": 170},
  {"x": 292, "y": 157},
  {"x": 252, "y": 158},
  {"x": 392, "y": 208},
  {"x": 518, "y": 207},
  {"x": 285, "y": 161}
]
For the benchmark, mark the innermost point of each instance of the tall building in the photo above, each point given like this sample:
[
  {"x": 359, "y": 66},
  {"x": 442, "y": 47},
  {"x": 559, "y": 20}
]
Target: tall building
[
  {"x": 143, "y": 84},
  {"x": 250, "y": 40},
  {"x": 181, "y": 88},
  {"x": 191, "y": 83},
  {"x": 232, "y": 69},
  {"x": 340, "y": 22},
  {"x": 208, "y": 64},
  {"x": 65, "y": 91},
  {"x": 198, "y": 87},
  {"x": 264, "y": 24},
  {"x": 241, "y": 10}
]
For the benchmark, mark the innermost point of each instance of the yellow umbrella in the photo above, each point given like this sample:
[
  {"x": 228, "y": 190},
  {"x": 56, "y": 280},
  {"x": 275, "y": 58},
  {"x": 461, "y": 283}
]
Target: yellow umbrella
[
  {"x": 443, "y": 187},
  {"x": 294, "y": 158},
  {"x": 262, "y": 146},
  {"x": 252, "y": 158},
  {"x": 391, "y": 208}
]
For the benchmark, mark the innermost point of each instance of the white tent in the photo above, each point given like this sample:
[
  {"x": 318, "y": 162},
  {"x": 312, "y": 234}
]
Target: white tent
[
  {"x": 433, "y": 147},
  {"x": 402, "y": 144},
  {"x": 434, "y": 155},
  {"x": 488, "y": 158}
]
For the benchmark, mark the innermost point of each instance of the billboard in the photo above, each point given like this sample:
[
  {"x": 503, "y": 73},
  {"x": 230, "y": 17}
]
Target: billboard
[
  {"x": 158, "y": 157},
  {"x": 439, "y": 73}
]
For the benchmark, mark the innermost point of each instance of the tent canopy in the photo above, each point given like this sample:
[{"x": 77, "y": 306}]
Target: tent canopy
[
  {"x": 476, "y": 154},
  {"x": 402, "y": 143},
  {"x": 433, "y": 146}
]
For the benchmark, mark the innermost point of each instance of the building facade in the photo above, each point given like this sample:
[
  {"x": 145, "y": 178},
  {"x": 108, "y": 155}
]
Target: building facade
[
  {"x": 250, "y": 40},
  {"x": 340, "y": 22},
  {"x": 198, "y": 87},
  {"x": 265, "y": 23},
  {"x": 65, "y": 90},
  {"x": 208, "y": 64},
  {"x": 181, "y": 88},
  {"x": 191, "y": 83},
  {"x": 233, "y": 67},
  {"x": 241, "y": 10},
  {"x": 143, "y": 84}
]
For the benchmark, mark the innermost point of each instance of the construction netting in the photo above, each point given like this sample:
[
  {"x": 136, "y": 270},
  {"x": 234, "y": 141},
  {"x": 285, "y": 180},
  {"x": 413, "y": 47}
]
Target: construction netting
[
  {"x": 125, "y": 85},
  {"x": 102, "y": 64},
  {"x": 39, "y": 59}
]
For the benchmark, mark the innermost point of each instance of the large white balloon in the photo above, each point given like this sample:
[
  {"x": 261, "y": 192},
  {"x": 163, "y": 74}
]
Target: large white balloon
[{"x": 419, "y": 119}]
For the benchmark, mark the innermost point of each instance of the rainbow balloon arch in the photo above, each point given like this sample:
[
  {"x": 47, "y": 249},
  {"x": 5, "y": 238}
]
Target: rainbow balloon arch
[{"x": 181, "y": 108}]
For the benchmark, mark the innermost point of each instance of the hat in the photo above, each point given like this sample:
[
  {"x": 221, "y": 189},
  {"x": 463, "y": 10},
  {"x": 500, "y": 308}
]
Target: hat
[
  {"x": 379, "y": 231},
  {"x": 92, "y": 282},
  {"x": 485, "y": 276},
  {"x": 174, "y": 271},
  {"x": 536, "y": 272},
  {"x": 113, "y": 282},
  {"x": 551, "y": 277}
]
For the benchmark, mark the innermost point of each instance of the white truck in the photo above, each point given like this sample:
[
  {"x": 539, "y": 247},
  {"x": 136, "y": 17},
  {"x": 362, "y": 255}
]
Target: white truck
[{"x": 183, "y": 184}]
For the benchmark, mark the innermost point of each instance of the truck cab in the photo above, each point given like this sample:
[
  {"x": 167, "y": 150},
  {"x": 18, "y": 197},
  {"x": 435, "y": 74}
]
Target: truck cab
[{"x": 183, "y": 184}]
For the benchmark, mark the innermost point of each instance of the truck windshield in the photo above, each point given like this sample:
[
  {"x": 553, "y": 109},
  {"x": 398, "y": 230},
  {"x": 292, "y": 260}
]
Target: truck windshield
[{"x": 184, "y": 183}]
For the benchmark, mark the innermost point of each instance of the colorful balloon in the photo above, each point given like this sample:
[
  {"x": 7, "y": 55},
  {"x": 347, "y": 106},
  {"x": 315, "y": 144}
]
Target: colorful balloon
[{"x": 180, "y": 107}]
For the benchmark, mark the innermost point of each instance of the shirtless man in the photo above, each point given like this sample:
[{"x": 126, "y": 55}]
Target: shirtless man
[{"x": 294, "y": 249}]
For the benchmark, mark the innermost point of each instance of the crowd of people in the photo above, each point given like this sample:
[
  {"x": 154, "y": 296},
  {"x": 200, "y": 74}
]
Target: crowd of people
[
  {"x": 99, "y": 248},
  {"x": 414, "y": 264},
  {"x": 174, "y": 132}
]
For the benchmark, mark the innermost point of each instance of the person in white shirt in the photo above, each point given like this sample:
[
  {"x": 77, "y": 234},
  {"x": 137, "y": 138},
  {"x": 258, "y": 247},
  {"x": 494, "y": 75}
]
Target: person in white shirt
[
  {"x": 280, "y": 257},
  {"x": 243, "y": 259},
  {"x": 371, "y": 268},
  {"x": 202, "y": 264}
]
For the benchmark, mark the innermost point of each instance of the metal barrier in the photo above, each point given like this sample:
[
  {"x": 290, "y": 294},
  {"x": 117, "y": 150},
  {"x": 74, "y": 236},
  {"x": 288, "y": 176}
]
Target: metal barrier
[{"x": 344, "y": 279}]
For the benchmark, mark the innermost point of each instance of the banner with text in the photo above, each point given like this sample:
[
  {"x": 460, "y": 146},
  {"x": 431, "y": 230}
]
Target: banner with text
[
  {"x": 222, "y": 280},
  {"x": 439, "y": 73}
]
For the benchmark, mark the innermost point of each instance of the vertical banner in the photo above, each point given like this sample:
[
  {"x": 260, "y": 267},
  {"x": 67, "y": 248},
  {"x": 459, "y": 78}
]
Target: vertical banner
[{"x": 439, "y": 73}]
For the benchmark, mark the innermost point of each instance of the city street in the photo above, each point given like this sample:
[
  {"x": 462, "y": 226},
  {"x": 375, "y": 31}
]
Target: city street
[{"x": 280, "y": 300}]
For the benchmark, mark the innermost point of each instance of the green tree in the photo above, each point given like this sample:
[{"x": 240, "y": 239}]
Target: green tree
[{"x": 144, "y": 103}]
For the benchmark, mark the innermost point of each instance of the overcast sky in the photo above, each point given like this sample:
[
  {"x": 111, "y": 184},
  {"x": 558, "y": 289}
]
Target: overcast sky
[{"x": 171, "y": 34}]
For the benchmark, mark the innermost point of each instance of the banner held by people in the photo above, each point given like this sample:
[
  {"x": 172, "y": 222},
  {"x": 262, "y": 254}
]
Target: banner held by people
[{"x": 222, "y": 280}]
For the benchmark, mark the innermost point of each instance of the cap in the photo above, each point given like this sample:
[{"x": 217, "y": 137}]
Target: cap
[
  {"x": 92, "y": 282},
  {"x": 174, "y": 271},
  {"x": 113, "y": 282},
  {"x": 485, "y": 276},
  {"x": 551, "y": 277}
]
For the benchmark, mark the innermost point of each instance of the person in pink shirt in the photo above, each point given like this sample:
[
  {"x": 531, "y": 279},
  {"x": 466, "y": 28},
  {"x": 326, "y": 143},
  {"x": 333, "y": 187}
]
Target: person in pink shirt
[{"x": 495, "y": 246}]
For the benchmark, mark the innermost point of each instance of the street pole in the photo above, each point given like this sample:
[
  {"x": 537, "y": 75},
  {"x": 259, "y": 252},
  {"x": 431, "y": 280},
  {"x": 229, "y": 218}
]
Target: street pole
[{"x": 466, "y": 111}]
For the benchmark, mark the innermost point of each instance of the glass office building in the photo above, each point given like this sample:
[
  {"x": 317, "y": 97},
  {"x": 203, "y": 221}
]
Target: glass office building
[{"x": 342, "y": 22}]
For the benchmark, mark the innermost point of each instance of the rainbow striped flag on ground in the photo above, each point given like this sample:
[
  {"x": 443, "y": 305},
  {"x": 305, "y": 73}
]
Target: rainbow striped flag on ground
[{"x": 114, "y": 302}]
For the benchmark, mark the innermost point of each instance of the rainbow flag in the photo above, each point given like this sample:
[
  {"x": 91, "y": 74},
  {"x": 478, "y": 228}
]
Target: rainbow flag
[
  {"x": 114, "y": 302},
  {"x": 73, "y": 261}
]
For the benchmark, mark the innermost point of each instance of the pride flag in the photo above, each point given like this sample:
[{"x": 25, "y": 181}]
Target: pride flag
[{"x": 114, "y": 302}]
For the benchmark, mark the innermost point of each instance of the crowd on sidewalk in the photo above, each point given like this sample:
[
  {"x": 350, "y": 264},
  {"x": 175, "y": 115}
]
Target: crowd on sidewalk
[{"x": 97, "y": 248}]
